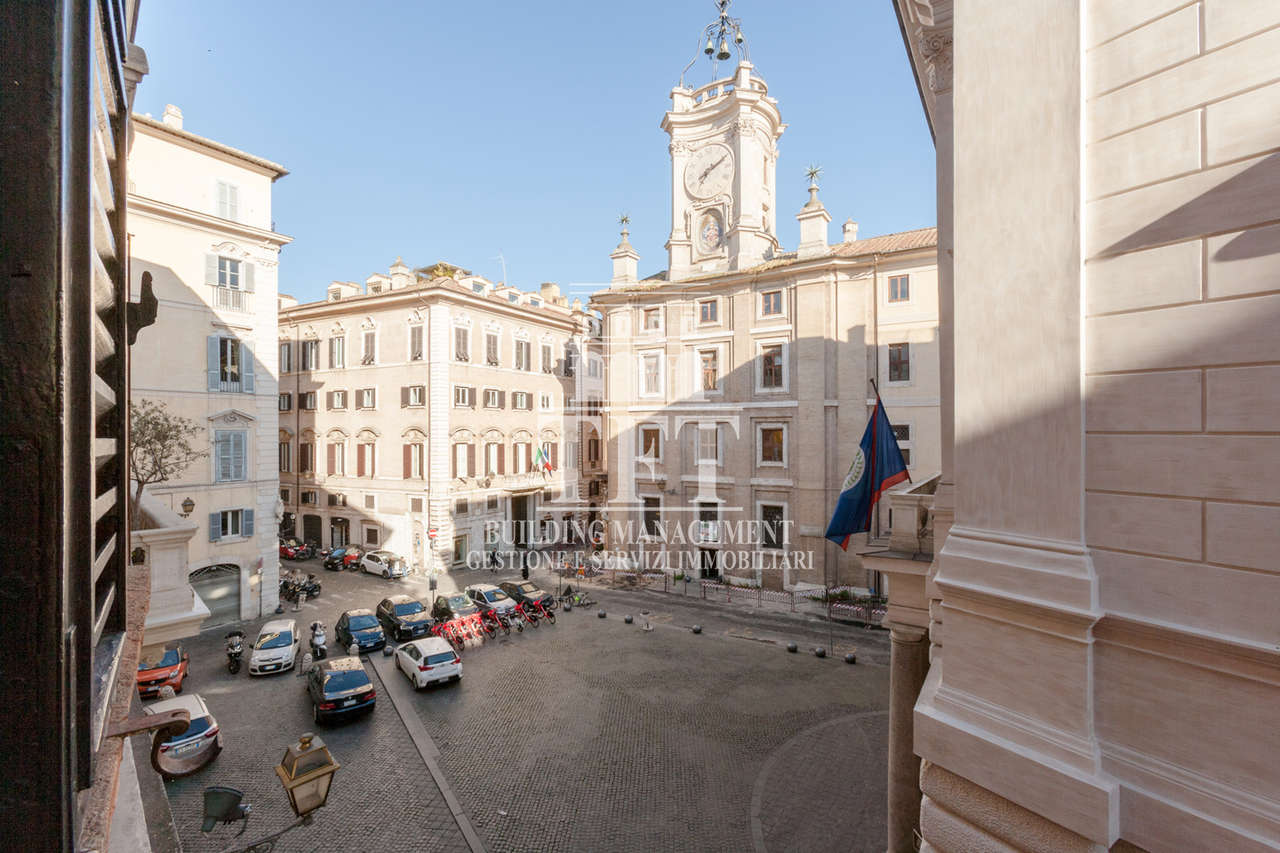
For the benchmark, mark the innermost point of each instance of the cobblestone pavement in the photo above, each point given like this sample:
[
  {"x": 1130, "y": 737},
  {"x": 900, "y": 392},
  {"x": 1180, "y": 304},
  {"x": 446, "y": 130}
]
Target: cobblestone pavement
[{"x": 587, "y": 735}]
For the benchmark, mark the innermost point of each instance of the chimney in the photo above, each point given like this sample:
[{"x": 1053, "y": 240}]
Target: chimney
[
  {"x": 550, "y": 292},
  {"x": 626, "y": 261},
  {"x": 850, "y": 231},
  {"x": 400, "y": 276},
  {"x": 172, "y": 117},
  {"x": 813, "y": 219}
]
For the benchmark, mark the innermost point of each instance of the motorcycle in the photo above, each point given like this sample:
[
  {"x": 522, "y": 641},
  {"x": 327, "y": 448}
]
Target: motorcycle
[
  {"x": 319, "y": 641},
  {"x": 310, "y": 585},
  {"x": 235, "y": 648}
]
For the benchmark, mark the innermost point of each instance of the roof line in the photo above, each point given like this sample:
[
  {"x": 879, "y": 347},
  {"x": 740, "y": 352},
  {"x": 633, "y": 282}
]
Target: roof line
[{"x": 260, "y": 162}]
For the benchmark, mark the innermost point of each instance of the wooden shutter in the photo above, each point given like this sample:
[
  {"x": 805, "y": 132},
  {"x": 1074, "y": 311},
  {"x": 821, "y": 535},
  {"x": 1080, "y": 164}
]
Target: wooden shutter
[
  {"x": 211, "y": 269},
  {"x": 528, "y": 456},
  {"x": 215, "y": 526},
  {"x": 246, "y": 525},
  {"x": 212, "y": 347},
  {"x": 408, "y": 461},
  {"x": 328, "y": 399},
  {"x": 501, "y": 458},
  {"x": 453, "y": 462},
  {"x": 246, "y": 368},
  {"x": 246, "y": 276},
  {"x": 404, "y": 396},
  {"x": 360, "y": 467},
  {"x": 471, "y": 460},
  {"x": 502, "y": 399},
  {"x": 332, "y": 457},
  {"x": 555, "y": 455}
]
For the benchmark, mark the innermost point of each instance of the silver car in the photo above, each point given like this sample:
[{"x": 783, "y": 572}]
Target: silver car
[
  {"x": 383, "y": 563},
  {"x": 276, "y": 648}
]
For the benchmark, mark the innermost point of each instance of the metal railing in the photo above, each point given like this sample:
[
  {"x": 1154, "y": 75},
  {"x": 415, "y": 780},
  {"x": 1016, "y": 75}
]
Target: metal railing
[{"x": 231, "y": 299}]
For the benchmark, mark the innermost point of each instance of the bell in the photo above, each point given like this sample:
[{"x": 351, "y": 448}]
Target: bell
[
  {"x": 724, "y": 50},
  {"x": 710, "y": 48},
  {"x": 737, "y": 37}
]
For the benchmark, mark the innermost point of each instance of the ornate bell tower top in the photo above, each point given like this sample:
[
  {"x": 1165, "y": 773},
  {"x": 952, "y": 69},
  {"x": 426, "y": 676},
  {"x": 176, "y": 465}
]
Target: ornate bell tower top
[{"x": 724, "y": 152}]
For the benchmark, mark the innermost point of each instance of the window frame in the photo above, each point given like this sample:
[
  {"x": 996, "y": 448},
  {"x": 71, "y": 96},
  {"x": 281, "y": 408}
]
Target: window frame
[
  {"x": 468, "y": 399},
  {"x": 785, "y": 353},
  {"x": 641, "y": 430},
  {"x": 759, "y": 515},
  {"x": 641, "y": 384},
  {"x": 651, "y": 311},
  {"x": 761, "y": 302},
  {"x": 420, "y": 354},
  {"x": 889, "y": 287},
  {"x": 889, "y": 363},
  {"x": 337, "y": 343},
  {"x": 644, "y": 516},
  {"x": 368, "y": 347},
  {"x": 310, "y": 348},
  {"x": 372, "y": 397},
  {"x": 714, "y": 304},
  {"x": 698, "y": 376},
  {"x": 761, "y": 426}
]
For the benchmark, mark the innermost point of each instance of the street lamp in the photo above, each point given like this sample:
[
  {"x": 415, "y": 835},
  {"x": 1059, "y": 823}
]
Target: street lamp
[
  {"x": 188, "y": 506},
  {"x": 306, "y": 771}
]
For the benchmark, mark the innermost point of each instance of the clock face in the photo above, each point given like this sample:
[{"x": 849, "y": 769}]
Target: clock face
[{"x": 709, "y": 171}]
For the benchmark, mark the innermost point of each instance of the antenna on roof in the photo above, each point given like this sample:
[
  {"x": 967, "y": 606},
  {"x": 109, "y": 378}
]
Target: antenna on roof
[{"x": 504, "y": 269}]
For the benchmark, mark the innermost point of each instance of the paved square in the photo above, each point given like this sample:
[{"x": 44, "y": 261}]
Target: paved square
[{"x": 587, "y": 735}]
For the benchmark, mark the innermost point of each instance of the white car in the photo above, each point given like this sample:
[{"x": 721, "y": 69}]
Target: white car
[
  {"x": 489, "y": 597},
  {"x": 202, "y": 739},
  {"x": 276, "y": 648},
  {"x": 428, "y": 660},
  {"x": 383, "y": 563}
]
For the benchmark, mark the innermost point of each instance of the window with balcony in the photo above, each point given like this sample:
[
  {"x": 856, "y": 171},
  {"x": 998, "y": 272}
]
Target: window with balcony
[{"x": 230, "y": 365}]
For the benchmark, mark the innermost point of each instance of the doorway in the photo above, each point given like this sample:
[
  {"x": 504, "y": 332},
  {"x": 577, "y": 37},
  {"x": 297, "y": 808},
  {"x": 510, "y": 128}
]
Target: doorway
[
  {"x": 311, "y": 528},
  {"x": 521, "y": 519},
  {"x": 708, "y": 562},
  {"x": 339, "y": 532}
]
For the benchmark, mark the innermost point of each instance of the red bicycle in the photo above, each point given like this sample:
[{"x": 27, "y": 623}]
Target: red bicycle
[
  {"x": 491, "y": 622},
  {"x": 527, "y": 614},
  {"x": 543, "y": 611}
]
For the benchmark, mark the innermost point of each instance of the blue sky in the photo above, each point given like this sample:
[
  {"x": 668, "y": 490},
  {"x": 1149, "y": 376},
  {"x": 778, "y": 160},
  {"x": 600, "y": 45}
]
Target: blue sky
[{"x": 465, "y": 131}]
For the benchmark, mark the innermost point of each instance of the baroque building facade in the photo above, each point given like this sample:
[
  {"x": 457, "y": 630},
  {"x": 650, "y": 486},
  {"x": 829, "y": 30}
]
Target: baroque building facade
[
  {"x": 438, "y": 415},
  {"x": 201, "y": 225},
  {"x": 740, "y": 378}
]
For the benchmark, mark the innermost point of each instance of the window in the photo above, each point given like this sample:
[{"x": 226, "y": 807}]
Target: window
[
  {"x": 369, "y": 351},
  {"x": 464, "y": 397},
  {"x": 366, "y": 398},
  {"x": 460, "y": 549},
  {"x": 899, "y": 362},
  {"x": 652, "y": 319},
  {"x": 230, "y": 365},
  {"x": 523, "y": 361},
  {"x": 229, "y": 455},
  {"x": 493, "y": 458},
  {"x": 415, "y": 343},
  {"x": 338, "y": 457},
  {"x": 710, "y": 362},
  {"x": 375, "y": 288},
  {"x": 548, "y": 365},
  {"x": 491, "y": 349},
  {"x": 772, "y": 529},
  {"x": 284, "y": 496},
  {"x": 652, "y": 371},
  {"x": 771, "y": 372},
  {"x": 307, "y": 401},
  {"x": 371, "y": 536},
  {"x": 413, "y": 395},
  {"x": 899, "y": 288},
  {"x": 534, "y": 303},
  {"x": 307, "y": 457},
  {"x": 311, "y": 497},
  {"x": 593, "y": 367},
  {"x": 513, "y": 298},
  {"x": 464, "y": 459},
  {"x": 520, "y": 400},
  {"x": 651, "y": 442},
  {"x": 708, "y": 311},
  {"x": 771, "y": 303},
  {"x": 370, "y": 501},
  {"x": 461, "y": 344},
  {"x": 477, "y": 287},
  {"x": 230, "y": 522},
  {"x": 337, "y": 499},
  {"x": 652, "y": 516},
  {"x": 228, "y": 206},
  {"x": 460, "y": 506},
  {"x": 414, "y": 457},
  {"x": 902, "y": 434},
  {"x": 708, "y": 444},
  {"x": 521, "y": 457},
  {"x": 365, "y": 458},
  {"x": 286, "y": 402},
  {"x": 335, "y": 294},
  {"x": 708, "y": 521},
  {"x": 593, "y": 451},
  {"x": 335, "y": 399},
  {"x": 570, "y": 359},
  {"x": 544, "y": 402},
  {"x": 415, "y": 504},
  {"x": 286, "y": 457},
  {"x": 228, "y": 273},
  {"x": 286, "y": 357},
  {"x": 310, "y": 355},
  {"x": 771, "y": 440},
  {"x": 337, "y": 352},
  {"x": 492, "y": 398},
  {"x": 491, "y": 503}
]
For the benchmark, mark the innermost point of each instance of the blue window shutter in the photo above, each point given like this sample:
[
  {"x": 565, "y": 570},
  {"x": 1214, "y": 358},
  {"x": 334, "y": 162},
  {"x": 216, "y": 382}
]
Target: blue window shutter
[
  {"x": 237, "y": 456},
  {"x": 213, "y": 364},
  {"x": 211, "y": 269},
  {"x": 215, "y": 526},
  {"x": 246, "y": 368},
  {"x": 246, "y": 276},
  {"x": 247, "y": 526}
]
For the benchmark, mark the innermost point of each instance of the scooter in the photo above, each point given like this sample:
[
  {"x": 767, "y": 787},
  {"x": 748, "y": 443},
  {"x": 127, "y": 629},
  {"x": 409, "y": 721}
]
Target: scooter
[
  {"x": 310, "y": 586},
  {"x": 319, "y": 641},
  {"x": 235, "y": 648}
]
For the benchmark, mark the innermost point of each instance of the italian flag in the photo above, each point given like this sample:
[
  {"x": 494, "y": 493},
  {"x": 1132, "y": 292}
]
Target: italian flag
[{"x": 540, "y": 460}]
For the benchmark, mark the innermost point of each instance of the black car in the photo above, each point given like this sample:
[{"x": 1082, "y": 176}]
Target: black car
[
  {"x": 340, "y": 688},
  {"x": 404, "y": 617},
  {"x": 452, "y": 606},
  {"x": 360, "y": 627},
  {"x": 526, "y": 592},
  {"x": 334, "y": 561}
]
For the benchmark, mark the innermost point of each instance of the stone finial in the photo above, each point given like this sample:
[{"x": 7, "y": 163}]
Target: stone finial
[
  {"x": 172, "y": 117},
  {"x": 626, "y": 260},
  {"x": 850, "y": 230},
  {"x": 813, "y": 218}
]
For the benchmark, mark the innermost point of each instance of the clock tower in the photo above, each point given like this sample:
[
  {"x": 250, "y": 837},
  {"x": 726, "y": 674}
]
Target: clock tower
[{"x": 724, "y": 153}]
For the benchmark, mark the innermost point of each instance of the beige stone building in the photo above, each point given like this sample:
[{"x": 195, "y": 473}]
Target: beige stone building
[
  {"x": 438, "y": 415},
  {"x": 200, "y": 224},
  {"x": 1093, "y": 657},
  {"x": 739, "y": 379}
]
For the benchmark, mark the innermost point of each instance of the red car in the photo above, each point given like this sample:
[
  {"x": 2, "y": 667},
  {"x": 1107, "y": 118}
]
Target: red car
[{"x": 168, "y": 671}]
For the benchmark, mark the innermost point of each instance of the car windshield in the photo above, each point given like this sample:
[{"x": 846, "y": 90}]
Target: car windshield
[
  {"x": 408, "y": 609},
  {"x": 492, "y": 595},
  {"x": 198, "y": 726},
  {"x": 170, "y": 659},
  {"x": 441, "y": 657},
  {"x": 274, "y": 640},
  {"x": 347, "y": 679},
  {"x": 362, "y": 622},
  {"x": 527, "y": 587},
  {"x": 459, "y": 602}
]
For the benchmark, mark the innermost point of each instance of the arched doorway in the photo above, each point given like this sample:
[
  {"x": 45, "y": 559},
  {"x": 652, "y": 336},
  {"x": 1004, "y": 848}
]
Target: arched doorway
[{"x": 219, "y": 588}]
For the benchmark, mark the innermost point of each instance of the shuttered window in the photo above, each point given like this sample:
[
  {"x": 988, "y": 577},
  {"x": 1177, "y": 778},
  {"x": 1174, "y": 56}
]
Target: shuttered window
[
  {"x": 337, "y": 458},
  {"x": 337, "y": 352},
  {"x": 415, "y": 343},
  {"x": 230, "y": 365},
  {"x": 228, "y": 203},
  {"x": 413, "y": 461},
  {"x": 229, "y": 455}
]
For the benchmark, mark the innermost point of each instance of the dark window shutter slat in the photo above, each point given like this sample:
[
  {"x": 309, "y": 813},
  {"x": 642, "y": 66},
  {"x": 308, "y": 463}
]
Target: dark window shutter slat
[
  {"x": 246, "y": 368},
  {"x": 247, "y": 526},
  {"x": 215, "y": 526},
  {"x": 471, "y": 460},
  {"x": 408, "y": 461},
  {"x": 502, "y": 452},
  {"x": 212, "y": 348},
  {"x": 404, "y": 396},
  {"x": 555, "y": 455},
  {"x": 333, "y": 456}
]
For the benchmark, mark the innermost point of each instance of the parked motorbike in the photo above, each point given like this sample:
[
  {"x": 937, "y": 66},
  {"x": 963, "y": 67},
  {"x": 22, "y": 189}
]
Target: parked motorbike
[
  {"x": 235, "y": 648},
  {"x": 319, "y": 641},
  {"x": 311, "y": 586}
]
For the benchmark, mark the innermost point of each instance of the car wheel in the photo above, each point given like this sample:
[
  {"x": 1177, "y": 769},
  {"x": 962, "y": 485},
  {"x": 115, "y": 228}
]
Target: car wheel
[{"x": 386, "y": 574}]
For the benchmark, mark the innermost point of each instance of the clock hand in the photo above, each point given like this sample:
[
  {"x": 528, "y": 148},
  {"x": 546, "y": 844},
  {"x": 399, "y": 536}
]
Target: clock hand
[{"x": 711, "y": 168}]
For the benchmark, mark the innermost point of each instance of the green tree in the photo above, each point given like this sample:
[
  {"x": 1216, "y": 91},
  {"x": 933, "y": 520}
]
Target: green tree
[{"x": 159, "y": 445}]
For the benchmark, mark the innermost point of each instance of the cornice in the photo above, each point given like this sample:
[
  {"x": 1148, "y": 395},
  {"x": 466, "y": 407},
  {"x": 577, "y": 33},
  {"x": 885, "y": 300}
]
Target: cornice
[
  {"x": 417, "y": 295},
  {"x": 186, "y": 216}
]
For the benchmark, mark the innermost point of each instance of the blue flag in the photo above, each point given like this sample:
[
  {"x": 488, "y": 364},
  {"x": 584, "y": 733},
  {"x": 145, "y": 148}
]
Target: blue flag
[{"x": 877, "y": 465}]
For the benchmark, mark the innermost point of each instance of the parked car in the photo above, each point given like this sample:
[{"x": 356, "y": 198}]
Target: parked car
[
  {"x": 452, "y": 606},
  {"x": 527, "y": 592},
  {"x": 276, "y": 648},
  {"x": 383, "y": 563},
  {"x": 429, "y": 660},
  {"x": 201, "y": 737},
  {"x": 288, "y": 551},
  {"x": 340, "y": 689},
  {"x": 340, "y": 557},
  {"x": 296, "y": 549},
  {"x": 489, "y": 597},
  {"x": 361, "y": 628},
  {"x": 403, "y": 617},
  {"x": 168, "y": 670}
]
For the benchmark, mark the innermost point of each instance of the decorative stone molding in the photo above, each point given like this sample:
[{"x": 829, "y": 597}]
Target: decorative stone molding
[
  {"x": 679, "y": 146},
  {"x": 936, "y": 51}
]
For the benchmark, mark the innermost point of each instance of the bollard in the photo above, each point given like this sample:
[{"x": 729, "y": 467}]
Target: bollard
[
  {"x": 627, "y": 618},
  {"x": 568, "y": 607},
  {"x": 353, "y": 649},
  {"x": 697, "y": 629},
  {"x": 793, "y": 648},
  {"x": 820, "y": 652},
  {"x": 388, "y": 650},
  {"x": 599, "y": 614},
  {"x": 851, "y": 658}
]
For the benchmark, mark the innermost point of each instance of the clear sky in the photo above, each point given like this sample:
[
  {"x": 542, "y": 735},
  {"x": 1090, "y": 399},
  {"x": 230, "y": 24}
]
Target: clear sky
[{"x": 462, "y": 131}]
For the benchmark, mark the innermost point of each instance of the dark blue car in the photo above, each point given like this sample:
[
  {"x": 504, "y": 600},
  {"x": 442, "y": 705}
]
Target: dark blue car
[
  {"x": 340, "y": 689},
  {"x": 360, "y": 627}
]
